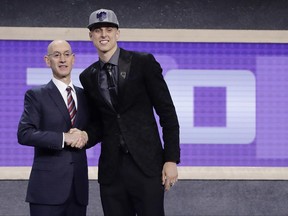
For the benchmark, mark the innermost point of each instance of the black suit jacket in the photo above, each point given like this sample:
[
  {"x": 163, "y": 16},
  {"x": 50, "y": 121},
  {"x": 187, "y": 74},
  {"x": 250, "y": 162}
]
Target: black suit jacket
[
  {"x": 42, "y": 124},
  {"x": 141, "y": 89}
]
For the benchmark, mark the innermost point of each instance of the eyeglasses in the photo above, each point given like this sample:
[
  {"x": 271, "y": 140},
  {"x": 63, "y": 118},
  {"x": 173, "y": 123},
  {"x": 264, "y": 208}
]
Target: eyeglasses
[{"x": 57, "y": 55}]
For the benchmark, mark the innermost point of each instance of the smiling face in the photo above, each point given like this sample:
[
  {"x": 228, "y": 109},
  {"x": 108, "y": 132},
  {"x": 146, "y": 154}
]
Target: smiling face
[
  {"x": 105, "y": 40},
  {"x": 60, "y": 59}
]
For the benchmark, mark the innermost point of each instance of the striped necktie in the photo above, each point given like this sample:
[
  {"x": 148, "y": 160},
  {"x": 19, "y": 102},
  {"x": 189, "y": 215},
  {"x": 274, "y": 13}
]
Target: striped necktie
[{"x": 71, "y": 105}]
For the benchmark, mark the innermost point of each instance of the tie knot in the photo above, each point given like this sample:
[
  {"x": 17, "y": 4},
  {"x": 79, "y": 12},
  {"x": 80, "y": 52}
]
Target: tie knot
[
  {"x": 108, "y": 66},
  {"x": 69, "y": 89}
]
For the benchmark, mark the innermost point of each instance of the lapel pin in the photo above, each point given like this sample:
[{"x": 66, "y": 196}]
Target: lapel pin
[{"x": 123, "y": 74}]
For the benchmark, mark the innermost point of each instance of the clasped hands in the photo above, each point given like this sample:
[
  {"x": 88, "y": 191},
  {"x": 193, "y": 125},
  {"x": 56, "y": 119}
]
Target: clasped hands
[{"x": 76, "y": 138}]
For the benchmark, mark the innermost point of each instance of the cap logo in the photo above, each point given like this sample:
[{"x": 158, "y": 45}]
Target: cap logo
[{"x": 101, "y": 16}]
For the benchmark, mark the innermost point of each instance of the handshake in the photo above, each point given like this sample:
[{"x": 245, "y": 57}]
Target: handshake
[{"x": 76, "y": 138}]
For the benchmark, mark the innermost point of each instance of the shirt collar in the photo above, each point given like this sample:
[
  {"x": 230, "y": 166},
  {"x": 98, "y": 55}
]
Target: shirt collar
[
  {"x": 61, "y": 85},
  {"x": 114, "y": 58}
]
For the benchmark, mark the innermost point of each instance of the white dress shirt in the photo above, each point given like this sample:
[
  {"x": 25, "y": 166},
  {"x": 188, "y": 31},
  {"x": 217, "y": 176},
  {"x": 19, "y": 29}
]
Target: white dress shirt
[{"x": 62, "y": 89}]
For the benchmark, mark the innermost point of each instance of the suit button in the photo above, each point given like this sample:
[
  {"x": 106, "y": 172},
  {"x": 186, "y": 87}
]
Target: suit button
[{"x": 118, "y": 116}]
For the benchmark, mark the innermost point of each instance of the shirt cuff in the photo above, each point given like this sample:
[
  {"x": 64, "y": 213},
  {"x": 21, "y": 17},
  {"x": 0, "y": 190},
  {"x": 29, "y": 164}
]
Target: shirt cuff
[{"x": 63, "y": 143}]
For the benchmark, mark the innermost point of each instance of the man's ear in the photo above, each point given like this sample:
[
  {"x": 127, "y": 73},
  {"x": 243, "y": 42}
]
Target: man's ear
[
  {"x": 118, "y": 34},
  {"x": 47, "y": 60}
]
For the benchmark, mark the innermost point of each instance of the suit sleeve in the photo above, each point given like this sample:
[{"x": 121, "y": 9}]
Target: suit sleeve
[
  {"x": 164, "y": 107},
  {"x": 94, "y": 127},
  {"x": 29, "y": 132}
]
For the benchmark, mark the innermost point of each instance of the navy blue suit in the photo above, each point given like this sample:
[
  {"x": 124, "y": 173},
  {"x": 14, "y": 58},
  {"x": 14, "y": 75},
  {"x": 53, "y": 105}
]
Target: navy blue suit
[{"x": 54, "y": 169}]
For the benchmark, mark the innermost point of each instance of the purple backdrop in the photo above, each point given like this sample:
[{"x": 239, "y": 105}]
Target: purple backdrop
[{"x": 231, "y": 98}]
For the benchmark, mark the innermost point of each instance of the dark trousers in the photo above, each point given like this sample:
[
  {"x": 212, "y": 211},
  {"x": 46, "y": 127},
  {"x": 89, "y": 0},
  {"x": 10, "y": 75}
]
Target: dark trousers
[
  {"x": 70, "y": 208},
  {"x": 132, "y": 192}
]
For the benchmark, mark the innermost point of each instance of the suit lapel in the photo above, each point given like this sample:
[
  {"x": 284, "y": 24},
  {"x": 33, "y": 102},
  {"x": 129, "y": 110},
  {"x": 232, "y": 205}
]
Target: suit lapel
[
  {"x": 124, "y": 65},
  {"x": 81, "y": 105},
  {"x": 58, "y": 100}
]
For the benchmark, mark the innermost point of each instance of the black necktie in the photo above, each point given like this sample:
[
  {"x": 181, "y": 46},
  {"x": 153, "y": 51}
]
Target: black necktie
[
  {"x": 112, "y": 87},
  {"x": 114, "y": 100}
]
